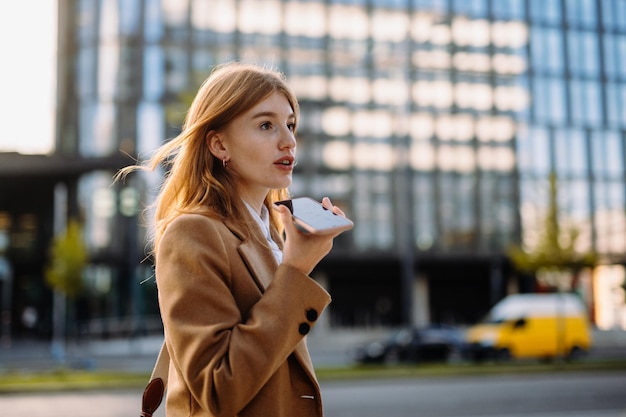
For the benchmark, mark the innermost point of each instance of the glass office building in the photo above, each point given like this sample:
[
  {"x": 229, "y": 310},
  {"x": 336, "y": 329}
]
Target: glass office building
[{"x": 435, "y": 124}]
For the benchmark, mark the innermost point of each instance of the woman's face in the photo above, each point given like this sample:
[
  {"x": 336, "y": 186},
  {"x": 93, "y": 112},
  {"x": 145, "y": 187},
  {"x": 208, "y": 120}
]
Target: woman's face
[{"x": 261, "y": 147}]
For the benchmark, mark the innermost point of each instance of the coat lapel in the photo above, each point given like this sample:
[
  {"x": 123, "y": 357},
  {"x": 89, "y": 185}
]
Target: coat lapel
[
  {"x": 260, "y": 262},
  {"x": 257, "y": 256}
]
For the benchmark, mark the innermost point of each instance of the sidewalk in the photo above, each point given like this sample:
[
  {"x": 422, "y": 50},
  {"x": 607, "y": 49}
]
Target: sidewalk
[{"x": 330, "y": 348}]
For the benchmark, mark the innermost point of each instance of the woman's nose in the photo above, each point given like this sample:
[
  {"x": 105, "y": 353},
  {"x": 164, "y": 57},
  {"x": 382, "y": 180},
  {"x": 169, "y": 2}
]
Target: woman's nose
[{"x": 288, "y": 139}]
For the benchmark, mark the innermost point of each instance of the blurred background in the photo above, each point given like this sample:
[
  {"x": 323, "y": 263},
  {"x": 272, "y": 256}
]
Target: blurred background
[{"x": 478, "y": 145}]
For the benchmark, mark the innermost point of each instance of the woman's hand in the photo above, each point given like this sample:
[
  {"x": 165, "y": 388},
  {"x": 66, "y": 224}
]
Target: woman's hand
[{"x": 303, "y": 251}]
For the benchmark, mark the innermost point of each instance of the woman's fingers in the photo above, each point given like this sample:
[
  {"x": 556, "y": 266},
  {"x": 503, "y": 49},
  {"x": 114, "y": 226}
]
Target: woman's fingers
[{"x": 329, "y": 205}]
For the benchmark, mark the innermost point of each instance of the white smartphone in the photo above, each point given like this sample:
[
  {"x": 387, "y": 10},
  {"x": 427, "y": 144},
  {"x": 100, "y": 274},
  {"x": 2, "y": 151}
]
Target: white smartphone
[{"x": 311, "y": 217}]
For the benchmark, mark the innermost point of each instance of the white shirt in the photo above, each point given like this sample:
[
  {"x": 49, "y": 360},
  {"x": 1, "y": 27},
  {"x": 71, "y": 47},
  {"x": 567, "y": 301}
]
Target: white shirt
[{"x": 264, "y": 223}]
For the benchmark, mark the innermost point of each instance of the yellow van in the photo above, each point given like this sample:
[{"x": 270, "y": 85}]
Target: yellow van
[{"x": 542, "y": 326}]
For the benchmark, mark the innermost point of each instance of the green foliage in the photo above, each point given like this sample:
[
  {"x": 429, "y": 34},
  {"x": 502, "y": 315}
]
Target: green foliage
[
  {"x": 68, "y": 257},
  {"x": 556, "y": 249}
]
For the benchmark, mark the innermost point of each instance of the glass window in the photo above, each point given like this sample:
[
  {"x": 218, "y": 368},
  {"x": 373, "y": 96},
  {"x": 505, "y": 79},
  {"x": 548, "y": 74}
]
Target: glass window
[
  {"x": 466, "y": 219},
  {"x": 86, "y": 72},
  {"x": 98, "y": 202},
  {"x": 576, "y": 102},
  {"x": 175, "y": 13},
  {"x": 176, "y": 75},
  {"x": 585, "y": 103},
  {"x": 611, "y": 66},
  {"x": 619, "y": 14},
  {"x": 424, "y": 206},
  {"x": 86, "y": 117},
  {"x": 533, "y": 147},
  {"x": 87, "y": 15},
  {"x": 109, "y": 20},
  {"x": 153, "y": 79},
  {"x": 97, "y": 129},
  {"x": 613, "y": 14},
  {"x": 547, "y": 50},
  {"x": 508, "y": 9},
  {"x": 613, "y": 104},
  {"x": 555, "y": 88},
  {"x": 570, "y": 153},
  {"x": 614, "y": 155},
  {"x": 130, "y": 16},
  {"x": 620, "y": 57},
  {"x": 608, "y": 14},
  {"x": 372, "y": 210},
  {"x": 471, "y": 8},
  {"x": 150, "y": 127},
  {"x": 593, "y": 103},
  {"x": 607, "y": 154},
  {"x": 609, "y": 216},
  {"x": 622, "y": 102},
  {"x": 578, "y": 197},
  {"x": 583, "y": 53},
  {"x": 435, "y": 6},
  {"x": 548, "y": 11},
  {"x": 488, "y": 204},
  {"x": 532, "y": 212},
  {"x": 451, "y": 199},
  {"x": 581, "y": 12},
  {"x": 549, "y": 99},
  {"x": 153, "y": 27}
]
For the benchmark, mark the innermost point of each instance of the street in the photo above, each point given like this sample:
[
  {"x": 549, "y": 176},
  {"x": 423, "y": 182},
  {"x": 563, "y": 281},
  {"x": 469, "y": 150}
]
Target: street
[
  {"x": 585, "y": 394},
  {"x": 536, "y": 395}
]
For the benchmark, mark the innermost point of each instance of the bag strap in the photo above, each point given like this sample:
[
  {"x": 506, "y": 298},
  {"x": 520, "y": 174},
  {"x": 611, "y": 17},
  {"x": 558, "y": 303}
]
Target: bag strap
[{"x": 155, "y": 390}]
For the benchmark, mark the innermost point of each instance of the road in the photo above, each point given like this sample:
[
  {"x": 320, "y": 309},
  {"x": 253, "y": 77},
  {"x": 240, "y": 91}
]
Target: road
[
  {"x": 530, "y": 395},
  {"x": 599, "y": 394}
]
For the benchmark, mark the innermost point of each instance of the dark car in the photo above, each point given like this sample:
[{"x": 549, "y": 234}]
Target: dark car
[{"x": 435, "y": 343}]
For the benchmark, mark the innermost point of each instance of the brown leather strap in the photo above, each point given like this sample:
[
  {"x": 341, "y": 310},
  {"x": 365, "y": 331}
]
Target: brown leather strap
[{"x": 152, "y": 397}]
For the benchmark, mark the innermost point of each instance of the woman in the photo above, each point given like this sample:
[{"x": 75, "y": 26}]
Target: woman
[{"x": 236, "y": 301}]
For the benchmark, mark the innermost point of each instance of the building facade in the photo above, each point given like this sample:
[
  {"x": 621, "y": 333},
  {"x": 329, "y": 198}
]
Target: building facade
[{"x": 434, "y": 124}]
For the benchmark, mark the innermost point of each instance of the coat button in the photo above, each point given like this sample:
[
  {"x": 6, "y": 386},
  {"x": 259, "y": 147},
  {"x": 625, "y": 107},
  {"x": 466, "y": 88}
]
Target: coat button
[
  {"x": 304, "y": 328},
  {"x": 311, "y": 315}
]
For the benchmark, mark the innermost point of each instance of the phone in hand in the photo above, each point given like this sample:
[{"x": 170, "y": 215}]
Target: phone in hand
[{"x": 311, "y": 217}]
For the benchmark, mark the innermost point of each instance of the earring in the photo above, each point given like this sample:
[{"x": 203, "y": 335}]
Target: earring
[{"x": 225, "y": 162}]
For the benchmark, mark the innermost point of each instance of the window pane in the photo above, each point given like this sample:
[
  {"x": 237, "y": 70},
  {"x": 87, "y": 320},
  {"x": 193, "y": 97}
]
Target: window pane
[
  {"x": 593, "y": 103},
  {"x": 570, "y": 154},
  {"x": 612, "y": 104},
  {"x": 555, "y": 99},
  {"x": 611, "y": 67},
  {"x": 130, "y": 15},
  {"x": 547, "y": 50},
  {"x": 581, "y": 12},
  {"x": 614, "y": 152},
  {"x": 425, "y": 221},
  {"x": 533, "y": 148},
  {"x": 548, "y": 11},
  {"x": 508, "y": 9}
]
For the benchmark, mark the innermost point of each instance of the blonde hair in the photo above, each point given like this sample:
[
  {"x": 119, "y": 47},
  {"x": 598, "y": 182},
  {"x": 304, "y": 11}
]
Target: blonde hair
[{"x": 196, "y": 181}]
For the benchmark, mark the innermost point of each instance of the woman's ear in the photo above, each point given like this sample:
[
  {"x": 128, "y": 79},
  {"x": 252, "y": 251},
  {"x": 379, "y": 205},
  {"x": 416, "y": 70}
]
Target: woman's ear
[{"x": 216, "y": 145}]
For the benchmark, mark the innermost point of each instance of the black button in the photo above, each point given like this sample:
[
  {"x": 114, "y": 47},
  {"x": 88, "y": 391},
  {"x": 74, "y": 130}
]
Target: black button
[
  {"x": 304, "y": 328},
  {"x": 311, "y": 315}
]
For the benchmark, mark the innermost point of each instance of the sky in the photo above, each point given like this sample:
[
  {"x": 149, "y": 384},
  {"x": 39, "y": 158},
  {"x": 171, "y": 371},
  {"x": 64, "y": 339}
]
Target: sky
[{"x": 27, "y": 75}]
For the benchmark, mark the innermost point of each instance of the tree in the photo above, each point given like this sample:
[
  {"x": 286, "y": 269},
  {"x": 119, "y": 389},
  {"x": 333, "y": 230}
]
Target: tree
[
  {"x": 64, "y": 274},
  {"x": 555, "y": 253},
  {"x": 68, "y": 258}
]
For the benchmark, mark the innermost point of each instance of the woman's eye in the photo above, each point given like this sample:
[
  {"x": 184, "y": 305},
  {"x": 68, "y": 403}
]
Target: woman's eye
[
  {"x": 291, "y": 126},
  {"x": 266, "y": 126}
]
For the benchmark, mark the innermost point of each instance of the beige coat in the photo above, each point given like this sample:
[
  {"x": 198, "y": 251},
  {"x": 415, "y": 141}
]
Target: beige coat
[{"x": 235, "y": 323}]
